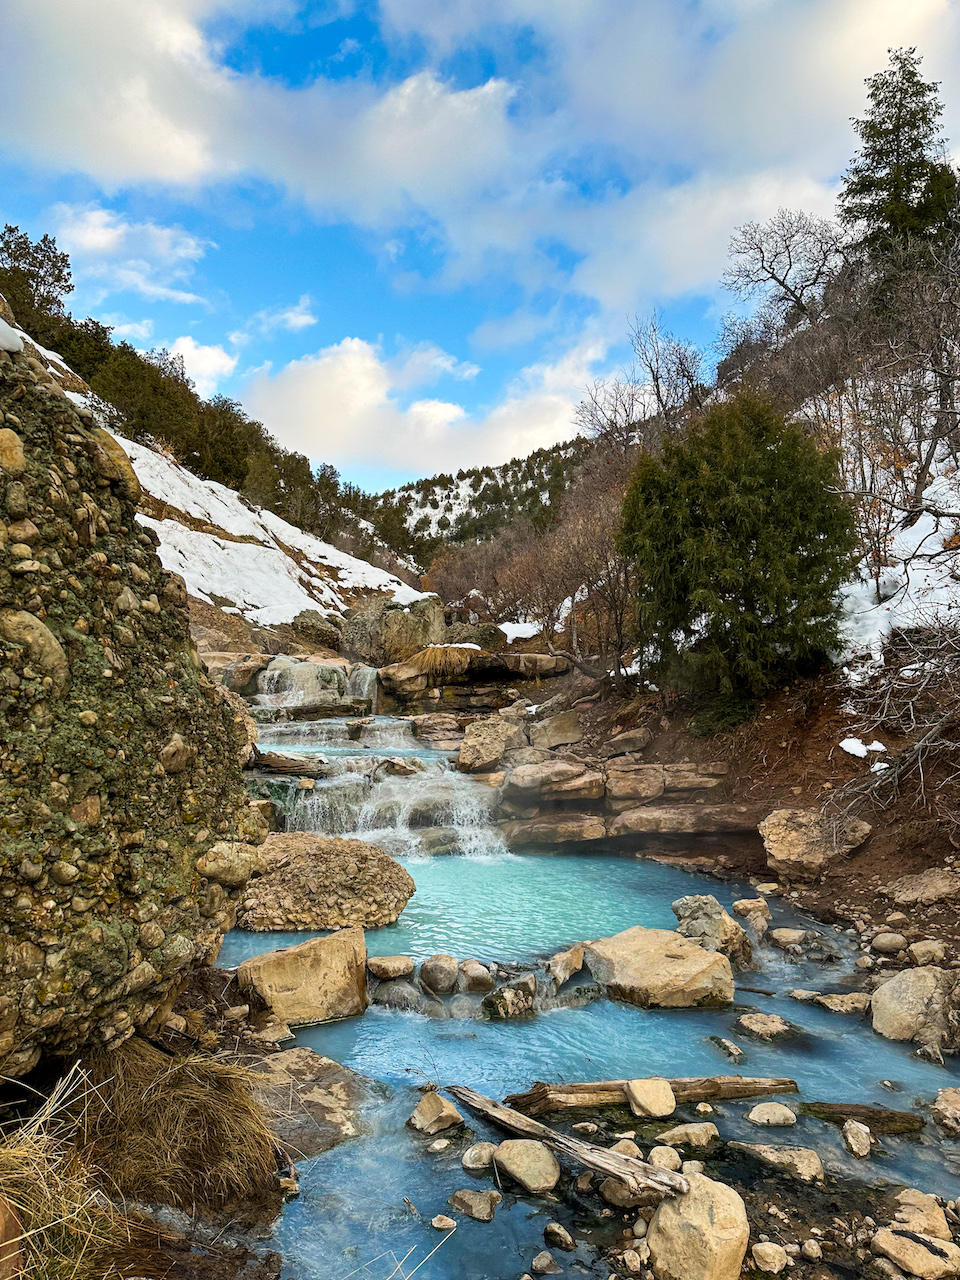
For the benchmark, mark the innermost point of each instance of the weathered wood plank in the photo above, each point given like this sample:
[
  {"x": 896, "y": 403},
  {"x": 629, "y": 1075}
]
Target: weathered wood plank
[
  {"x": 637, "y": 1174},
  {"x": 880, "y": 1119},
  {"x": 543, "y": 1098}
]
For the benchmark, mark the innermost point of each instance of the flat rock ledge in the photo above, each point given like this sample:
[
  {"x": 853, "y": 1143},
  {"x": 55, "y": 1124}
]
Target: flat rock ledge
[{"x": 322, "y": 882}]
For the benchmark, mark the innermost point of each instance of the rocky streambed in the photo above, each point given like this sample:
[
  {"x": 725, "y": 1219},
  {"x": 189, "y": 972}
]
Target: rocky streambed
[{"x": 816, "y": 1193}]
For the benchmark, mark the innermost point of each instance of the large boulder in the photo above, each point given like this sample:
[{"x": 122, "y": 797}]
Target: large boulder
[
  {"x": 917, "y": 1255},
  {"x": 632, "y": 784},
  {"x": 624, "y": 743},
  {"x": 385, "y": 632},
  {"x": 702, "y": 918},
  {"x": 559, "y": 731},
  {"x": 559, "y": 828},
  {"x": 659, "y": 968},
  {"x": 800, "y": 843},
  {"x": 702, "y": 1235},
  {"x": 485, "y": 741},
  {"x": 918, "y": 1004},
  {"x": 104, "y": 910},
  {"x": 315, "y": 981},
  {"x": 313, "y": 684},
  {"x": 553, "y": 780},
  {"x": 316, "y": 631},
  {"x": 441, "y": 731},
  {"x": 801, "y": 1163},
  {"x": 685, "y": 819},
  {"x": 308, "y": 881},
  {"x": 315, "y": 1102}
]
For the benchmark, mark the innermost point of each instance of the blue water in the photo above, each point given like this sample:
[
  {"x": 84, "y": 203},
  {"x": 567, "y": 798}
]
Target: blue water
[{"x": 352, "y": 1220}]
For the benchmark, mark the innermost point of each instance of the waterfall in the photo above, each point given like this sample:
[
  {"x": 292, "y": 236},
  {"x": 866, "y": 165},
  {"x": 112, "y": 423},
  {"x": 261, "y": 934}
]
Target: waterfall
[
  {"x": 380, "y": 784},
  {"x": 364, "y": 682}
]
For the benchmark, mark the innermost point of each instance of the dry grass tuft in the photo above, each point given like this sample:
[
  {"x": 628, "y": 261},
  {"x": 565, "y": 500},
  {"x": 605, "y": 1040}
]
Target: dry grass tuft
[
  {"x": 441, "y": 662},
  {"x": 70, "y": 1230},
  {"x": 186, "y": 1132}
]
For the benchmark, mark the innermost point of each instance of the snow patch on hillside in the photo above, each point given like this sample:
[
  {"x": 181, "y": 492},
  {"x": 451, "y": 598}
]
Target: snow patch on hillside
[{"x": 261, "y": 578}]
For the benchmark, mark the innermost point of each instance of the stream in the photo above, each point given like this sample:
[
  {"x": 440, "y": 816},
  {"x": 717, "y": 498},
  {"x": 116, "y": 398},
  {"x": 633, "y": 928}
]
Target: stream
[{"x": 485, "y": 902}]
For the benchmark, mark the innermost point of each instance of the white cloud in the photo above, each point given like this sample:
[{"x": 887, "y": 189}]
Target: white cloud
[
  {"x": 141, "y": 330},
  {"x": 206, "y": 366},
  {"x": 425, "y": 364},
  {"x": 340, "y": 406},
  {"x": 294, "y": 318},
  {"x": 111, "y": 254}
]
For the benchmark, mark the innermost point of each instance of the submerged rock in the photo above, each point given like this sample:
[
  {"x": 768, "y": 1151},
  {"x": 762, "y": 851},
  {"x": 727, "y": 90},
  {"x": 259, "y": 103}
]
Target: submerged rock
[
  {"x": 659, "y": 968},
  {"x": 764, "y": 1026},
  {"x": 703, "y": 1234},
  {"x": 479, "y": 1205},
  {"x": 315, "y": 981},
  {"x": 314, "y": 1102},
  {"x": 310, "y": 881}
]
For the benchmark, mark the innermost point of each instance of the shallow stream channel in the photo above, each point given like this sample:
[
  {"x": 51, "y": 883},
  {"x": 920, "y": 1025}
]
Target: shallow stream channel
[{"x": 355, "y": 1215}]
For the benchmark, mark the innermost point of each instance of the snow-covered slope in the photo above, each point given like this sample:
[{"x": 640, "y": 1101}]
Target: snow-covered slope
[{"x": 237, "y": 556}]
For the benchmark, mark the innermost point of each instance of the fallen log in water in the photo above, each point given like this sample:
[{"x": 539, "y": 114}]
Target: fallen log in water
[
  {"x": 637, "y": 1174},
  {"x": 299, "y": 766},
  {"x": 879, "y": 1119},
  {"x": 543, "y": 1098}
]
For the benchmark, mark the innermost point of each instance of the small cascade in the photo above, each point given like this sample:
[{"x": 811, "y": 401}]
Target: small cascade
[
  {"x": 364, "y": 682},
  {"x": 381, "y": 784}
]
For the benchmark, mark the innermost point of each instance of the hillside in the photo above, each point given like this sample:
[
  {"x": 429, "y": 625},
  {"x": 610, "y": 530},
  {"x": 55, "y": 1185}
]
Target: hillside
[{"x": 479, "y": 502}]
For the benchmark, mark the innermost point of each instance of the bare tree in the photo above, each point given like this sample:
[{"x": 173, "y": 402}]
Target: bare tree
[{"x": 790, "y": 260}]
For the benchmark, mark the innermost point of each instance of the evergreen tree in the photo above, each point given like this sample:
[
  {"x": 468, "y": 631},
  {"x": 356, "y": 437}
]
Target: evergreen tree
[
  {"x": 899, "y": 183},
  {"x": 740, "y": 543}
]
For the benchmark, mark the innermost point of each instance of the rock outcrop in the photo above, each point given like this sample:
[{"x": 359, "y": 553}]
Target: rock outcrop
[
  {"x": 800, "y": 843},
  {"x": 659, "y": 968},
  {"x": 119, "y": 766},
  {"x": 308, "y": 881}
]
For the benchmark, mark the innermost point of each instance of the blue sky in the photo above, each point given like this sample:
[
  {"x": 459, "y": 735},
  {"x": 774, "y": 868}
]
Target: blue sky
[{"x": 406, "y": 233}]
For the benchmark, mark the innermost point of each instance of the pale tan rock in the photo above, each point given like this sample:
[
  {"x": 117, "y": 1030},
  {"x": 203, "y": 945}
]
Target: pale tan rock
[
  {"x": 544, "y": 1264},
  {"x": 528, "y": 1162},
  {"x": 934, "y": 885},
  {"x": 664, "y": 1157},
  {"x": 565, "y": 964},
  {"x": 627, "y": 1147},
  {"x": 771, "y": 1113},
  {"x": 764, "y": 1026},
  {"x": 652, "y": 1096},
  {"x": 918, "y": 1255},
  {"x": 702, "y": 918},
  {"x": 700, "y": 1134},
  {"x": 558, "y": 731},
  {"x": 434, "y": 1113},
  {"x": 659, "y": 968},
  {"x": 702, "y": 1235},
  {"x": 479, "y": 1205},
  {"x": 479, "y": 1156},
  {"x": 617, "y": 1193},
  {"x": 784, "y": 938},
  {"x": 685, "y": 819},
  {"x": 849, "y": 1002},
  {"x": 888, "y": 944},
  {"x": 316, "y": 981},
  {"x": 800, "y": 1162},
  {"x": 922, "y": 1213},
  {"x": 799, "y": 845},
  {"x": 387, "y": 967},
  {"x": 638, "y": 785},
  {"x": 440, "y": 972},
  {"x": 485, "y": 741},
  {"x": 474, "y": 976},
  {"x": 12, "y": 458},
  {"x": 751, "y": 907},
  {"x": 946, "y": 1109},
  {"x": 929, "y": 951},
  {"x": 442, "y": 1223},
  {"x": 915, "y": 1005},
  {"x": 45, "y": 650},
  {"x": 560, "y": 828},
  {"x": 769, "y": 1258},
  {"x": 856, "y": 1138},
  {"x": 557, "y": 1235}
]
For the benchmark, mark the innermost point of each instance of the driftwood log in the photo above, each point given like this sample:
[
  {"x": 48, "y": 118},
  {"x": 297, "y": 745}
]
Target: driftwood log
[
  {"x": 299, "y": 766},
  {"x": 543, "y": 1098},
  {"x": 637, "y": 1174},
  {"x": 880, "y": 1119}
]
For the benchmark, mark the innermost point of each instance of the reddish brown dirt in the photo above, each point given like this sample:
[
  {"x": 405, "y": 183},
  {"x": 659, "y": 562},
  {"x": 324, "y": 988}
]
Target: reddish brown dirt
[{"x": 789, "y": 757}]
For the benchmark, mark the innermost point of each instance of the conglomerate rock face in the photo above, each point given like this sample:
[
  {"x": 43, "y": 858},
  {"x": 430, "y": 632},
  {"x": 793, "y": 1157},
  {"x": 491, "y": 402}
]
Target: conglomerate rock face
[{"x": 126, "y": 833}]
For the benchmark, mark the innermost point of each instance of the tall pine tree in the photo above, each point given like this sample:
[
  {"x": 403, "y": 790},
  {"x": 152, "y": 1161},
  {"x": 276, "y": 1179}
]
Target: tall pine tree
[
  {"x": 740, "y": 542},
  {"x": 899, "y": 183}
]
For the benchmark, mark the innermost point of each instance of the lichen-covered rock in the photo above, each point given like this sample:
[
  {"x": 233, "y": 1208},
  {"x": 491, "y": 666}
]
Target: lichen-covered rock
[
  {"x": 97, "y": 678},
  {"x": 308, "y": 881}
]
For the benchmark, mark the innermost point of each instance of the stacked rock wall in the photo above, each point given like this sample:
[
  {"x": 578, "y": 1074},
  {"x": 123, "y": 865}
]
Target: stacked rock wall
[{"x": 118, "y": 758}]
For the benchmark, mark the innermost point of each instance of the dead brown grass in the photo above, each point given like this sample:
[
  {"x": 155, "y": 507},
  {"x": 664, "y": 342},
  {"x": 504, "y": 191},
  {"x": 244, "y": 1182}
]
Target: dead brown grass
[
  {"x": 187, "y": 1132},
  {"x": 70, "y": 1230},
  {"x": 441, "y": 662}
]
